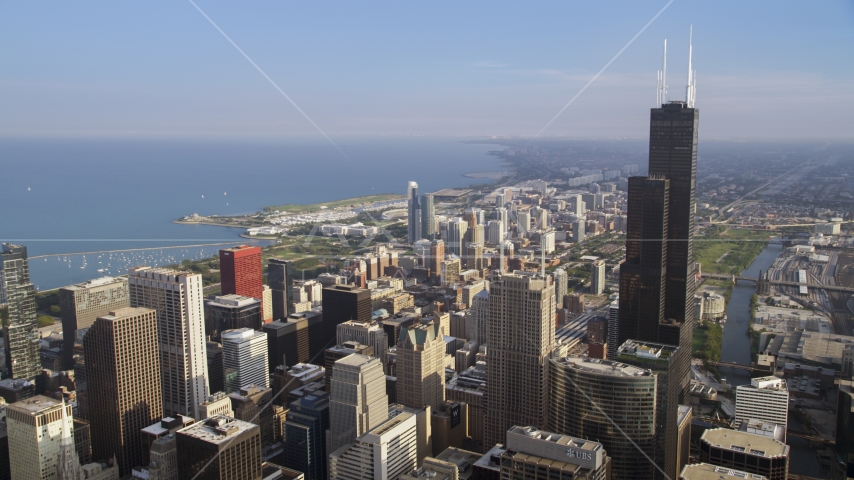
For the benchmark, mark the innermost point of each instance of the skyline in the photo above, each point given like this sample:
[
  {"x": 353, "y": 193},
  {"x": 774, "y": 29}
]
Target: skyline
[{"x": 504, "y": 71}]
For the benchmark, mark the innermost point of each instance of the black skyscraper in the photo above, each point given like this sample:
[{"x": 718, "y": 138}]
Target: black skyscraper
[
  {"x": 657, "y": 281},
  {"x": 280, "y": 278},
  {"x": 342, "y": 303}
]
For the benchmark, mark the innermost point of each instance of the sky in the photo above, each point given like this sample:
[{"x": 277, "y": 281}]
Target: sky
[{"x": 765, "y": 69}]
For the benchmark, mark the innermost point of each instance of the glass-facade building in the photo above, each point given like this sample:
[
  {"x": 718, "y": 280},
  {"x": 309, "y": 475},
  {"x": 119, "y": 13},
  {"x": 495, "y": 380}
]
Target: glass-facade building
[
  {"x": 18, "y": 314},
  {"x": 585, "y": 392},
  {"x": 305, "y": 436}
]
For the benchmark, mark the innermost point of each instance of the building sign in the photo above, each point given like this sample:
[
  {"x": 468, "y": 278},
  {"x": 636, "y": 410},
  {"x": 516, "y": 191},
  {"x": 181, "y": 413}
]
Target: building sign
[
  {"x": 455, "y": 415},
  {"x": 581, "y": 455}
]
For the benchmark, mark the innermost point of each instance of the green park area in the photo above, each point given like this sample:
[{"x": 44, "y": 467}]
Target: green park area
[
  {"x": 723, "y": 250},
  {"x": 348, "y": 202}
]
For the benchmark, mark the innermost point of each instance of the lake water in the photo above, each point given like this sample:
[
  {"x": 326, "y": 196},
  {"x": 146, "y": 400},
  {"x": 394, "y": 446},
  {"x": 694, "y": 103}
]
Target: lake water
[
  {"x": 80, "y": 195},
  {"x": 736, "y": 348}
]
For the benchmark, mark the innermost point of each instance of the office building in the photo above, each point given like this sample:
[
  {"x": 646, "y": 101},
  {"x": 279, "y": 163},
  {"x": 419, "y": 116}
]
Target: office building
[
  {"x": 626, "y": 394},
  {"x": 218, "y": 403},
  {"x": 520, "y": 336},
  {"x": 280, "y": 278},
  {"x": 597, "y": 337},
  {"x": 216, "y": 380},
  {"x": 339, "y": 351},
  {"x": 385, "y": 452},
  {"x": 20, "y": 328},
  {"x": 219, "y": 448},
  {"x": 164, "y": 458},
  {"x": 342, "y": 303},
  {"x": 480, "y": 315},
  {"x": 457, "y": 229},
  {"x": 421, "y": 366},
  {"x": 705, "y": 471},
  {"x": 523, "y": 222},
  {"x": 295, "y": 339},
  {"x": 305, "y": 436},
  {"x": 474, "y": 256},
  {"x": 123, "y": 375},
  {"x": 230, "y": 312},
  {"x": 845, "y": 428},
  {"x": 250, "y": 405},
  {"x": 494, "y": 232},
  {"x": 244, "y": 359},
  {"x": 241, "y": 272},
  {"x": 267, "y": 304},
  {"x": 413, "y": 212},
  {"x": 664, "y": 362},
  {"x": 766, "y": 398},
  {"x": 747, "y": 452},
  {"x": 433, "y": 469},
  {"x": 578, "y": 231},
  {"x": 533, "y": 454},
  {"x": 428, "y": 217},
  {"x": 160, "y": 429},
  {"x": 82, "y": 303},
  {"x": 437, "y": 256},
  {"x": 177, "y": 297},
  {"x": 365, "y": 333},
  {"x": 613, "y": 329},
  {"x": 561, "y": 282},
  {"x": 358, "y": 402},
  {"x": 35, "y": 429},
  {"x": 449, "y": 271},
  {"x": 597, "y": 277}
]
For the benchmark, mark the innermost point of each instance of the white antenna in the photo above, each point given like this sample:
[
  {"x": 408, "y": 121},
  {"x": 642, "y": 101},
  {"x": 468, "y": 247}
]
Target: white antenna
[
  {"x": 661, "y": 92},
  {"x": 691, "y": 88}
]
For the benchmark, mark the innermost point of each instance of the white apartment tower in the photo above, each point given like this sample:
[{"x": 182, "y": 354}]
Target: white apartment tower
[
  {"x": 766, "y": 398},
  {"x": 177, "y": 296},
  {"x": 421, "y": 366},
  {"x": 358, "y": 402},
  {"x": 35, "y": 428},
  {"x": 523, "y": 223},
  {"x": 384, "y": 453},
  {"x": 520, "y": 336},
  {"x": 597, "y": 277},
  {"x": 244, "y": 359}
]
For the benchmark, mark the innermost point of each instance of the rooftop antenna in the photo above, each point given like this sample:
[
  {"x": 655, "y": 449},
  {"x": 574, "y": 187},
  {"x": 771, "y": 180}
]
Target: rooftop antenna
[
  {"x": 661, "y": 92},
  {"x": 691, "y": 88}
]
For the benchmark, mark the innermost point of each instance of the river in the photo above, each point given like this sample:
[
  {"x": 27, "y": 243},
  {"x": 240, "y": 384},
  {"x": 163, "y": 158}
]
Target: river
[{"x": 736, "y": 349}]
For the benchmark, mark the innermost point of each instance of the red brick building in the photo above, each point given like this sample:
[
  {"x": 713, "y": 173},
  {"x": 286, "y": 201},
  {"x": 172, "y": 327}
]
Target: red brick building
[{"x": 241, "y": 272}]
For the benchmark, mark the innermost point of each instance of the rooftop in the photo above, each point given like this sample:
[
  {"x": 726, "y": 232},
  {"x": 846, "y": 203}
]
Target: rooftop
[
  {"x": 705, "y": 471},
  {"x": 489, "y": 459},
  {"x": 463, "y": 459},
  {"x": 35, "y": 405},
  {"x": 745, "y": 442},
  {"x": 125, "y": 312},
  {"x": 97, "y": 282},
  {"x": 355, "y": 360},
  {"x": 604, "y": 367},
  {"x": 217, "y": 429}
]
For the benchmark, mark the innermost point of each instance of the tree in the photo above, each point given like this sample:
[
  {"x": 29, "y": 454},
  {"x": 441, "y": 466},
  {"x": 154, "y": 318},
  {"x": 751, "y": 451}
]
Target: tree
[{"x": 45, "y": 321}]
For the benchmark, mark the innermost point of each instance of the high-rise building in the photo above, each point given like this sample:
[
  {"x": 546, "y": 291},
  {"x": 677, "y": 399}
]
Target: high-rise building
[
  {"x": 229, "y": 312},
  {"x": 597, "y": 277},
  {"x": 520, "y": 336},
  {"x": 123, "y": 374},
  {"x": 428, "y": 216},
  {"x": 437, "y": 256},
  {"x": 480, "y": 315},
  {"x": 561, "y": 280},
  {"x": 296, "y": 339},
  {"x": 845, "y": 428},
  {"x": 164, "y": 458},
  {"x": 251, "y": 404},
  {"x": 414, "y": 212},
  {"x": 358, "y": 402},
  {"x": 706, "y": 471},
  {"x": 342, "y": 303},
  {"x": 494, "y": 232},
  {"x": 177, "y": 296},
  {"x": 280, "y": 277},
  {"x": 305, "y": 436},
  {"x": 213, "y": 354},
  {"x": 532, "y": 454},
  {"x": 474, "y": 255},
  {"x": 597, "y": 337},
  {"x": 36, "y": 427},
  {"x": 365, "y": 333},
  {"x": 578, "y": 233},
  {"x": 421, "y": 366},
  {"x": 523, "y": 222},
  {"x": 241, "y": 271},
  {"x": 622, "y": 393},
  {"x": 386, "y": 452},
  {"x": 244, "y": 359},
  {"x": 766, "y": 398},
  {"x": 339, "y": 351},
  {"x": 456, "y": 235},
  {"x": 449, "y": 271},
  {"x": 748, "y": 452},
  {"x": 664, "y": 361},
  {"x": 18, "y": 311},
  {"x": 613, "y": 329},
  {"x": 220, "y": 448},
  {"x": 82, "y": 303}
]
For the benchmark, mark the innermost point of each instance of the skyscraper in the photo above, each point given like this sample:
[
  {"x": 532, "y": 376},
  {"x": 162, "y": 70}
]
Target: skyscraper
[
  {"x": 177, "y": 296},
  {"x": 305, "y": 436},
  {"x": 244, "y": 359},
  {"x": 280, "y": 277},
  {"x": 228, "y": 312},
  {"x": 597, "y": 277},
  {"x": 523, "y": 222},
  {"x": 36, "y": 427},
  {"x": 421, "y": 366},
  {"x": 342, "y": 303},
  {"x": 561, "y": 280},
  {"x": 241, "y": 271},
  {"x": 18, "y": 314},
  {"x": 359, "y": 401},
  {"x": 622, "y": 393},
  {"x": 456, "y": 234},
  {"x": 414, "y": 211},
  {"x": 437, "y": 255},
  {"x": 220, "y": 448},
  {"x": 365, "y": 333},
  {"x": 428, "y": 216},
  {"x": 520, "y": 336},
  {"x": 82, "y": 303},
  {"x": 124, "y": 383},
  {"x": 385, "y": 453}
]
